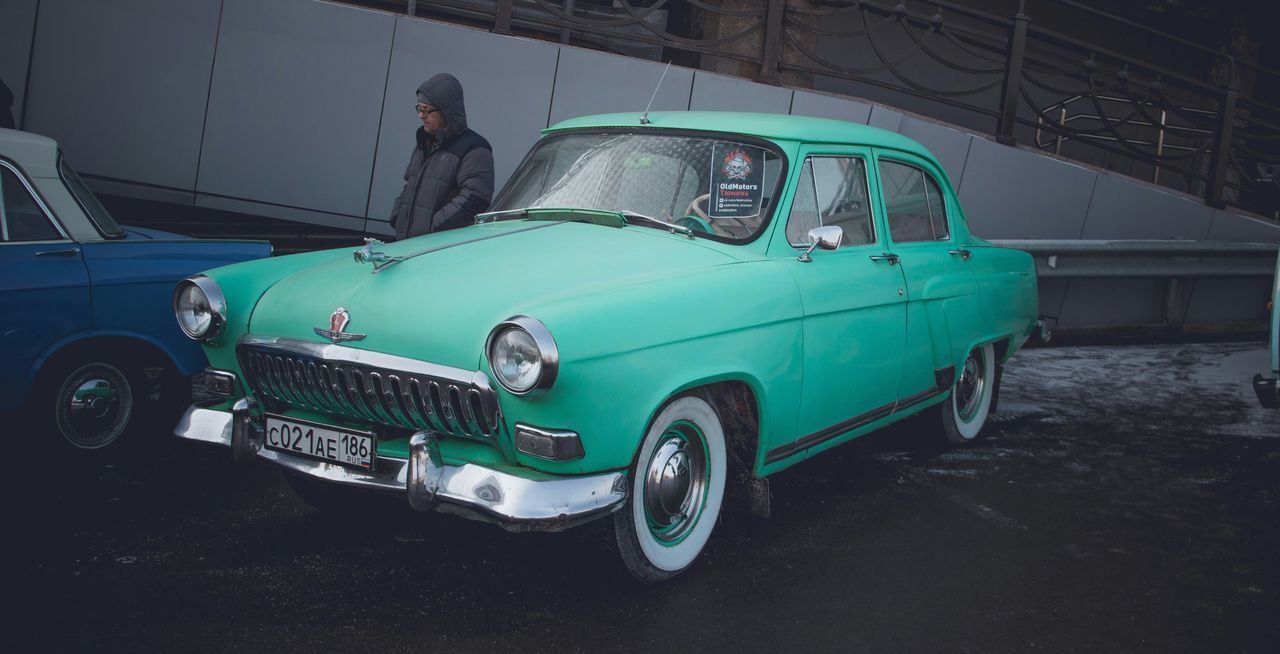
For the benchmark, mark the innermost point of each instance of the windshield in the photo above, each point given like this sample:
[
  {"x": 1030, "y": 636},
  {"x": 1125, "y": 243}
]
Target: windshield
[
  {"x": 88, "y": 201},
  {"x": 717, "y": 187}
]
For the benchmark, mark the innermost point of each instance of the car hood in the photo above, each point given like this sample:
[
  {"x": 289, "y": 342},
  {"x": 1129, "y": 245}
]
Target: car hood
[{"x": 440, "y": 303}]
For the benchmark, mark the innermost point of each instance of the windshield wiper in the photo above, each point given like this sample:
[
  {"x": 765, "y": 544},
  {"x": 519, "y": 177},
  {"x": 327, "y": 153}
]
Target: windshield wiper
[
  {"x": 495, "y": 216},
  {"x": 561, "y": 214},
  {"x": 595, "y": 216},
  {"x": 675, "y": 229}
]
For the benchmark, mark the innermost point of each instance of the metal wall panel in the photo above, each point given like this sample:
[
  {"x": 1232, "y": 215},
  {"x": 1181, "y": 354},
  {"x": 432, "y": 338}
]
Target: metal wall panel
[
  {"x": 596, "y": 83},
  {"x": 950, "y": 146},
  {"x": 295, "y": 103},
  {"x": 1012, "y": 193},
  {"x": 506, "y": 86},
  {"x": 719, "y": 93},
  {"x": 808, "y": 103},
  {"x": 1053, "y": 292},
  {"x": 1229, "y": 301},
  {"x": 122, "y": 85},
  {"x": 1103, "y": 302},
  {"x": 1126, "y": 208},
  {"x": 17, "y": 27},
  {"x": 1229, "y": 226},
  {"x": 883, "y": 118}
]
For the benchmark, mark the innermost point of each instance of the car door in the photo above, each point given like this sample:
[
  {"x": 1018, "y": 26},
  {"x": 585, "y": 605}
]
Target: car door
[
  {"x": 853, "y": 297},
  {"x": 44, "y": 284},
  {"x": 942, "y": 291}
]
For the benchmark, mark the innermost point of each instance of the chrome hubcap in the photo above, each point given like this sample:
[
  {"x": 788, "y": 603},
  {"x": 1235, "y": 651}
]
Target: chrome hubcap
[
  {"x": 94, "y": 400},
  {"x": 972, "y": 385},
  {"x": 676, "y": 483}
]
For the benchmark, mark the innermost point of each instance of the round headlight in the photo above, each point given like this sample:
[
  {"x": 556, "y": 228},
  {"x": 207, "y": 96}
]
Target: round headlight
[
  {"x": 523, "y": 356},
  {"x": 200, "y": 308}
]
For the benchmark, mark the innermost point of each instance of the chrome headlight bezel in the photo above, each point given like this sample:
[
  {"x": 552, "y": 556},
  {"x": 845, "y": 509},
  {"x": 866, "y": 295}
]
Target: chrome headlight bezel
[
  {"x": 214, "y": 299},
  {"x": 548, "y": 354}
]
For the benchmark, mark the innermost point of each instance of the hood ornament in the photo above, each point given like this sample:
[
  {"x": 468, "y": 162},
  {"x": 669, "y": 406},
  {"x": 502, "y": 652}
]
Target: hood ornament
[
  {"x": 367, "y": 254},
  {"x": 337, "y": 323}
]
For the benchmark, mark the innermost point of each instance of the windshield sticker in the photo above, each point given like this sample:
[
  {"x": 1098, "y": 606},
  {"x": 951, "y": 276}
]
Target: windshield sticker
[{"x": 737, "y": 183}]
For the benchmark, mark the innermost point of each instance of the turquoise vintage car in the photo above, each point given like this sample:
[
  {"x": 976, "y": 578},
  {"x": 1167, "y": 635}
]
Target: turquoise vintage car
[
  {"x": 657, "y": 308},
  {"x": 1268, "y": 388}
]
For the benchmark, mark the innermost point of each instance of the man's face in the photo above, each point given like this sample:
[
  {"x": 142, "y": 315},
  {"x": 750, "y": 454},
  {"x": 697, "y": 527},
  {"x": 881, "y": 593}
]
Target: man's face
[{"x": 432, "y": 118}]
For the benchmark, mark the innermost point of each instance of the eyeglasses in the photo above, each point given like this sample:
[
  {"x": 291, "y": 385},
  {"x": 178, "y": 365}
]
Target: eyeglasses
[{"x": 424, "y": 109}]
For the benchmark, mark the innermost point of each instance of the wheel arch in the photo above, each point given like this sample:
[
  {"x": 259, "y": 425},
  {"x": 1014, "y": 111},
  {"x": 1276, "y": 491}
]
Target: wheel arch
[
  {"x": 120, "y": 344},
  {"x": 1000, "y": 343},
  {"x": 725, "y": 392}
]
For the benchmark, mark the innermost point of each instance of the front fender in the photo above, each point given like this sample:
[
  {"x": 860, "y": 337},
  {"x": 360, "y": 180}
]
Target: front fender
[
  {"x": 622, "y": 355},
  {"x": 186, "y": 356}
]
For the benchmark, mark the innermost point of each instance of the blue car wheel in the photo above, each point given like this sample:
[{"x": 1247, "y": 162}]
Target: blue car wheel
[{"x": 94, "y": 403}]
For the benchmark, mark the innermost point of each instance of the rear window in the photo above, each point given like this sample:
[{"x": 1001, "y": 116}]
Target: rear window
[
  {"x": 21, "y": 219},
  {"x": 88, "y": 201},
  {"x": 913, "y": 203}
]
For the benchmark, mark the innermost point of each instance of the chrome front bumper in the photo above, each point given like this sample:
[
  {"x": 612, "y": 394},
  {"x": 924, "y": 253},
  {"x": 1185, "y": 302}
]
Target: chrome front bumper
[{"x": 470, "y": 490}]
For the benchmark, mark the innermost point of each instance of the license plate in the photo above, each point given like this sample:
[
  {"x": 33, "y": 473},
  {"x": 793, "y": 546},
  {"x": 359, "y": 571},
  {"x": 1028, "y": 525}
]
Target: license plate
[{"x": 324, "y": 442}]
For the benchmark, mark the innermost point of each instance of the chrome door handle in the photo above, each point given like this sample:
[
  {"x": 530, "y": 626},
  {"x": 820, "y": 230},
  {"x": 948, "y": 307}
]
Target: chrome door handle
[
  {"x": 891, "y": 258},
  {"x": 69, "y": 252},
  {"x": 963, "y": 254}
]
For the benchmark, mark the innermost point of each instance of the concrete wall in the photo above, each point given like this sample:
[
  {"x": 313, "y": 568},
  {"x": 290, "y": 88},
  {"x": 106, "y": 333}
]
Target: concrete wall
[{"x": 301, "y": 109}]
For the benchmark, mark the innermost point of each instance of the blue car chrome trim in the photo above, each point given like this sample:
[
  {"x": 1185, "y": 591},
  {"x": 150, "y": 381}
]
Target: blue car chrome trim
[{"x": 472, "y": 491}]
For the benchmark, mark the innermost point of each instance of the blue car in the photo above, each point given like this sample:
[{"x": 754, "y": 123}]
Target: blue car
[{"x": 89, "y": 349}]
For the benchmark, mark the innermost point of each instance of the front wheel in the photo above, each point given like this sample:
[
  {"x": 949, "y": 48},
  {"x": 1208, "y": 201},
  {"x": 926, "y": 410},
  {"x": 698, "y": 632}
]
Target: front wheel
[
  {"x": 965, "y": 412},
  {"x": 677, "y": 485},
  {"x": 94, "y": 402}
]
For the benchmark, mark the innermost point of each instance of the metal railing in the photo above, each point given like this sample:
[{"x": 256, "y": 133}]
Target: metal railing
[
  {"x": 1176, "y": 262},
  {"x": 1201, "y": 134}
]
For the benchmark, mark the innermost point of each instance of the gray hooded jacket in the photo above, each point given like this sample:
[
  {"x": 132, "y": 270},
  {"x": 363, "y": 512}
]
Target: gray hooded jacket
[{"x": 450, "y": 175}]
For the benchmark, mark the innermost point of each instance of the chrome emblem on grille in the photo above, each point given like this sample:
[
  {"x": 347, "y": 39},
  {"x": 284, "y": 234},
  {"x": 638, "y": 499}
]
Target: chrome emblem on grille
[{"x": 337, "y": 322}]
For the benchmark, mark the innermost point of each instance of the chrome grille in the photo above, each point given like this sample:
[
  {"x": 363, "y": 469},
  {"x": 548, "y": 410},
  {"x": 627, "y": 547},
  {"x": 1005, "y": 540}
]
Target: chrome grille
[{"x": 369, "y": 386}]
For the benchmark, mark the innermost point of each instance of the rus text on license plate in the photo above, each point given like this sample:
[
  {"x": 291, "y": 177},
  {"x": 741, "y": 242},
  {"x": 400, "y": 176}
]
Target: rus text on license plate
[{"x": 324, "y": 442}]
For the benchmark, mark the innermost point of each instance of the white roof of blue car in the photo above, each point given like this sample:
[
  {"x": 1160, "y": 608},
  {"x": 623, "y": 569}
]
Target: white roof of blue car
[{"x": 36, "y": 155}]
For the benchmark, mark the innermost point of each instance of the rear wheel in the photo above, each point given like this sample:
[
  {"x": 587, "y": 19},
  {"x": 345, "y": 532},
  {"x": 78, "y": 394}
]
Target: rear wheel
[
  {"x": 677, "y": 486},
  {"x": 965, "y": 413}
]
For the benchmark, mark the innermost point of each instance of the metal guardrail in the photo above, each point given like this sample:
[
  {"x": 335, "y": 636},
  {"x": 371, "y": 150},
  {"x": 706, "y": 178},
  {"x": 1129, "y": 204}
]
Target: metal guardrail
[
  {"x": 1144, "y": 259},
  {"x": 1178, "y": 262}
]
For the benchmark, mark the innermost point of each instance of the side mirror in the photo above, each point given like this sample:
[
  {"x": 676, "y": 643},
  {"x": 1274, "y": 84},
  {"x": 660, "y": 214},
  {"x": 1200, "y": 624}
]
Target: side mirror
[{"x": 827, "y": 238}]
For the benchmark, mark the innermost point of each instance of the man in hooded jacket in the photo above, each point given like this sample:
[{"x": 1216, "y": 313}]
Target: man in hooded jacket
[{"x": 450, "y": 175}]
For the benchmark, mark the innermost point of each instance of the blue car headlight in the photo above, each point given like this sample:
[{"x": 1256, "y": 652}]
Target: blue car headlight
[
  {"x": 523, "y": 356},
  {"x": 200, "y": 308}
]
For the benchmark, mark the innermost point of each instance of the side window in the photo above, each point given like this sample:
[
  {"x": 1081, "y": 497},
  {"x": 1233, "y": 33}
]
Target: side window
[
  {"x": 832, "y": 191},
  {"x": 20, "y": 217},
  {"x": 913, "y": 203},
  {"x": 804, "y": 208}
]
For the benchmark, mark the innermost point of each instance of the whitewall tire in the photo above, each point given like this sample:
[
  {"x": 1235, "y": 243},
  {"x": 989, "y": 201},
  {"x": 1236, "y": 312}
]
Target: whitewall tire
[
  {"x": 677, "y": 486},
  {"x": 965, "y": 413}
]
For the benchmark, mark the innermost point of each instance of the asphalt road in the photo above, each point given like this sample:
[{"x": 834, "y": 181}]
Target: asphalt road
[{"x": 1123, "y": 499}]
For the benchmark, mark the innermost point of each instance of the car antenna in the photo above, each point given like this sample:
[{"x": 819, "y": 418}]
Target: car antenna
[{"x": 644, "y": 117}]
